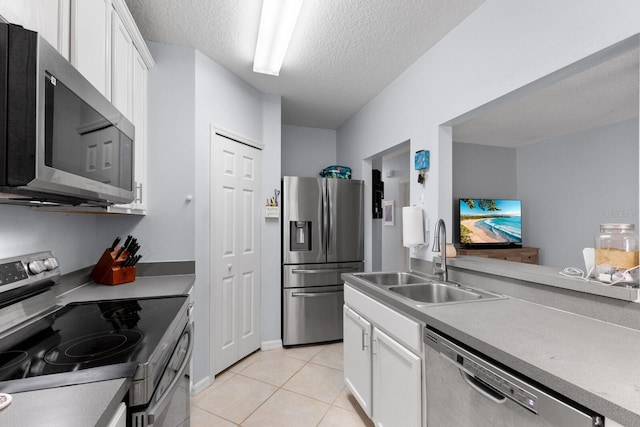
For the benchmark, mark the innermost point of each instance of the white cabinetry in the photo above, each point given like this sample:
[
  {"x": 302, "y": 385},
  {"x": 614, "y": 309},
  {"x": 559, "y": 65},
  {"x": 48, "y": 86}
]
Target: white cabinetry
[
  {"x": 121, "y": 66},
  {"x": 130, "y": 60},
  {"x": 382, "y": 360},
  {"x": 139, "y": 118},
  {"x": 357, "y": 357},
  {"x": 49, "y": 18},
  {"x": 397, "y": 375},
  {"x": 108, "y": 50},
  {"x": 90, "y": 43}
]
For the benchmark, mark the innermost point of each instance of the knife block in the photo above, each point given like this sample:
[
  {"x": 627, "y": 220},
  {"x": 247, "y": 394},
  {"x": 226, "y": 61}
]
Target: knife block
[{"x": 109, "y": 270}]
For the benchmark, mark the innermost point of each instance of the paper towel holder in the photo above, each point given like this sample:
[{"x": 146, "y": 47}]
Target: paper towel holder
[{"x": 412, "y": 226}]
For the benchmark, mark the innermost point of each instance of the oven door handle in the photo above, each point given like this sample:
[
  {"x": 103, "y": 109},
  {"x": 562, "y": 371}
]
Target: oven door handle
[{"x": 160, "y": 404}]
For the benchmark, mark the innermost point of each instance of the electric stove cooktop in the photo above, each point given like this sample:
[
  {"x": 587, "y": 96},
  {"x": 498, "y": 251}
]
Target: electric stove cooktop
[{"x": 85, "y": 342}]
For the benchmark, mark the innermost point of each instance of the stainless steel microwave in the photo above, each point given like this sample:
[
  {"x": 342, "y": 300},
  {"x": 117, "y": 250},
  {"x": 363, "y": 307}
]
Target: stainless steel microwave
[{"x": 61, "y": 140}]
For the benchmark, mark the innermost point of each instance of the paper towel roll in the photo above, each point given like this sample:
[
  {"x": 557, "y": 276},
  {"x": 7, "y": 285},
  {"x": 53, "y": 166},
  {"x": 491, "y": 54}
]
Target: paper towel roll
[{"x": 412, "y": 226}]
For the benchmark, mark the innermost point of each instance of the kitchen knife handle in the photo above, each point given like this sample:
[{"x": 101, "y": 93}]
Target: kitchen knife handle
[{"x": 114, "y": 244}]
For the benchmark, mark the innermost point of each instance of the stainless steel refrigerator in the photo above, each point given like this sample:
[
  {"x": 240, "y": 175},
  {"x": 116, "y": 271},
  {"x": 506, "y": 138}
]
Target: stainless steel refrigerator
[{"x": 322, "y": 237}]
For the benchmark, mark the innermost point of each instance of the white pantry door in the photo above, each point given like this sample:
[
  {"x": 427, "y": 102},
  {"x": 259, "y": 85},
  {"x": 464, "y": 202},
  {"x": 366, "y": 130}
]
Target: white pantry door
[{"x": 235, "y": 250}]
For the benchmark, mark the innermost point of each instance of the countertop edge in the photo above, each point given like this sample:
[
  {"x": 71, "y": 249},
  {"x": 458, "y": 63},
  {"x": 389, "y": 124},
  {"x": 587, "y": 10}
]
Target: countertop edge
[
  {"x": 115, "y": 402},
  {"x": 548, "y": 276}
]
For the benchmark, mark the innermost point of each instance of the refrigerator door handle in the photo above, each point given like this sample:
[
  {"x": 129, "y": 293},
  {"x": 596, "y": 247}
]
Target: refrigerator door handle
[
  {"x": 326, "y": 220},
  {"x": 315, "y": 294},
  {"x": 325, "y": 270}
]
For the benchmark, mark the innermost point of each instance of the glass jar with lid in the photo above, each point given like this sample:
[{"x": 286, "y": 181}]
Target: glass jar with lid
[{"x": 616, "y": 254}]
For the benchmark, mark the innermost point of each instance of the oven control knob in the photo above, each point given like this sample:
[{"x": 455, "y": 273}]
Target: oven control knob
[
  {"x": 36, "y": 267},
  {"x": 51, "y": 263}
]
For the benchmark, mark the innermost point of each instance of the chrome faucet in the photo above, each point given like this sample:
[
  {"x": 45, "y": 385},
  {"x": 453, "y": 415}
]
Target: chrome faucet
[{"x": 442, "y": 259}]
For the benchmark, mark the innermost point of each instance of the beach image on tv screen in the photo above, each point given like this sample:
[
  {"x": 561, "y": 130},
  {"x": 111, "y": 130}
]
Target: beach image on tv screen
[{"x": 490, "y": 221}]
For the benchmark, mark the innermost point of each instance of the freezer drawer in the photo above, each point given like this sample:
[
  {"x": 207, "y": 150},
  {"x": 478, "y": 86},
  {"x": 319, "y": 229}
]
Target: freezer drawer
[
  {"x": 312, "y": 315},
  {"x": 309, "y": 275}
]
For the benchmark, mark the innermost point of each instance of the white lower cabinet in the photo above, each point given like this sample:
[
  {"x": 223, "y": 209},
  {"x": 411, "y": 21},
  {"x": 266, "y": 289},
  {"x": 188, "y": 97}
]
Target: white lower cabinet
[
  {"x": 383, "y": 361},
  {"x": 357, "y": 357},
  {"x": 397, "y": 375}
]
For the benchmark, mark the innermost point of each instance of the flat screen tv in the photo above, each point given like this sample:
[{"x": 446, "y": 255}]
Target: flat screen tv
[{"x": 490, "y": 223}]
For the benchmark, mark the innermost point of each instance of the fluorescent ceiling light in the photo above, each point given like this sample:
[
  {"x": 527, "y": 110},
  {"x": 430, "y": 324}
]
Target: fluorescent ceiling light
[{"x": 276, "y": 26}]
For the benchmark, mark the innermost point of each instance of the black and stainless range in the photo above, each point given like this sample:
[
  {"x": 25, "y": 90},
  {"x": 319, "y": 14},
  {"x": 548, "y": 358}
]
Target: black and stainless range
[{"x": 43, "y": 345}]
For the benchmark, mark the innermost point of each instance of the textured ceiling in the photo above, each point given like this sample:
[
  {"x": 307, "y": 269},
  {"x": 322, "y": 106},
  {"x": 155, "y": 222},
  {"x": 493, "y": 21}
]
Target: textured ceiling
[
  {"x": 603, "y": 94},
  {"x": 342, "y": 53}
]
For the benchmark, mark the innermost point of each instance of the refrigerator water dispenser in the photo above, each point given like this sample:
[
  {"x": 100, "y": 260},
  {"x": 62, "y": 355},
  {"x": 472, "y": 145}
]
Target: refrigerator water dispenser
[{"x": 300, "y": 236}]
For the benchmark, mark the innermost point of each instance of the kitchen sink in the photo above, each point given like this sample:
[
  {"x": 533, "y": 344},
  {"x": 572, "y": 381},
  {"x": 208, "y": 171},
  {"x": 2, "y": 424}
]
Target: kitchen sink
[
  {"x": 392, "y": 279},
  {"x": 438, "y": 293},
  {"x": 423, "y": 290}
]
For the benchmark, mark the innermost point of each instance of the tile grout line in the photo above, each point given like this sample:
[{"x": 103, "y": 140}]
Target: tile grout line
[
  {"x": 306, "y": 362},
  {"x": 329, "y": 405}
]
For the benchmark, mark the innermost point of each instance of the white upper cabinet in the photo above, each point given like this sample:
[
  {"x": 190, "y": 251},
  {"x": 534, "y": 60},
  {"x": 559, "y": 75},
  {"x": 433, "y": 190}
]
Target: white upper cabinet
[
  {"x": 49, "y": 18},
  {"x": 121, "y": 66},
  {"x": 130, "y": 60},
  {"x": 90, "y": 43},
  {"x": 139, "y": 113}
]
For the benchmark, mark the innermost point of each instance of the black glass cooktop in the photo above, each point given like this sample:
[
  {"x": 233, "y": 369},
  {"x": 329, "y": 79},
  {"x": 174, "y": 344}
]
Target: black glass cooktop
[{"x": 84, "y": 342}]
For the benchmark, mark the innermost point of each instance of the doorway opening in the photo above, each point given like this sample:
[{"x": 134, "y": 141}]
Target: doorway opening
[{"x": 388, "y": 253}]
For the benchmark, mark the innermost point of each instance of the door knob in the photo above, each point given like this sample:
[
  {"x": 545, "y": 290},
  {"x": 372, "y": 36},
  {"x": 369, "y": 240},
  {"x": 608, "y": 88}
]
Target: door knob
[{"x": 229, "y": 267}]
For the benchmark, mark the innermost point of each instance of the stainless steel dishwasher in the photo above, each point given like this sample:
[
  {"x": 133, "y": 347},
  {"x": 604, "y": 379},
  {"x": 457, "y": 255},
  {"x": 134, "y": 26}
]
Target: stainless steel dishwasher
[{"x": 464, "y": 389}]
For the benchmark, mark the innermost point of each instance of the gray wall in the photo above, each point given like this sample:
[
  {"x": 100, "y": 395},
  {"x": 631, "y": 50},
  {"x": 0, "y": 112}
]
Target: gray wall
[
  {"x": 391, "y": 235},
  {"x": 188, "y": 93},
  {"x": 306, "y": 151},
  {"x": 167, "y": 230},
  {"x": 502, "y": 46},
  {"x": 481, "y": 171},
  {"x": 76, "y": 240},
  {"x": 568, "y": 186},
  {"x": 484, "y": 171},
  {"x": 571, "y": 185}
]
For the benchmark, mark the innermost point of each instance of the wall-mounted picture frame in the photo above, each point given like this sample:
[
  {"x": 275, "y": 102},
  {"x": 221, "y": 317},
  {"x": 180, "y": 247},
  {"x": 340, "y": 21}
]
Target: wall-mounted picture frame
[{"x": 388, "y": 212}]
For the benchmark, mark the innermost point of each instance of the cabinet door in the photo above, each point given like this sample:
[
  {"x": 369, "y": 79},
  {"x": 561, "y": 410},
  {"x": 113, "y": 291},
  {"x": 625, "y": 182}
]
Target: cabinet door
[
  {"x": 140, "y": 123},
  {"x": 121, "y": 66},
  {"x": 397, "y": 375},
  {"x": 357, "y": 357},
  {"x": 49, "y": 18},
  {"x": 90, "y": 42}
]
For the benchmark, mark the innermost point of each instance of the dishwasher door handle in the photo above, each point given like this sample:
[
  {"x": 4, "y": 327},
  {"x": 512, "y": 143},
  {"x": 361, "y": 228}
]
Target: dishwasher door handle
[
  {"x": 315, "y": 294},
  {"x": 481, "y": 388}
]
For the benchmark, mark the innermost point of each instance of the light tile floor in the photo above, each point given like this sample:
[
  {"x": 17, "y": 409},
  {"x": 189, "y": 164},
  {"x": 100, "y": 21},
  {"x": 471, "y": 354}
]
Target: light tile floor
[{"x": 296, "y": 387}]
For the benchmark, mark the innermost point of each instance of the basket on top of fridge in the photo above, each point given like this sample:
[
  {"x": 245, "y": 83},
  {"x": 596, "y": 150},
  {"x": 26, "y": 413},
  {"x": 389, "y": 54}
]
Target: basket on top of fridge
[{"x": 336, "y": 171}]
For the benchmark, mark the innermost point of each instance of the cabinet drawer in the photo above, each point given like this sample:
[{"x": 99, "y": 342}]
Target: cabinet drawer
[{"x": 402, "y": 328}]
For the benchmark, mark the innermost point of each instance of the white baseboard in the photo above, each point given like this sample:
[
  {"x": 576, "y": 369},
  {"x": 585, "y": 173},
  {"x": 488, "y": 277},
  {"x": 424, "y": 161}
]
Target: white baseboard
[
  {"x": 270, "y": 345},
  {"x": 201, "y": 385}
]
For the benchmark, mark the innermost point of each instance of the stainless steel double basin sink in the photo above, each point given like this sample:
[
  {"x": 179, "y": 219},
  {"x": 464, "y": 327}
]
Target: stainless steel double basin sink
[{"x": 424, "y": 290}]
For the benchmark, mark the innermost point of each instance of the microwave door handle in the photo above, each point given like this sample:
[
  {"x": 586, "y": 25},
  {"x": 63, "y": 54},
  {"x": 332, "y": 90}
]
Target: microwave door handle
[
  {"x": 164, "y": 400},
  {"x": 492, "y": 395}
]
